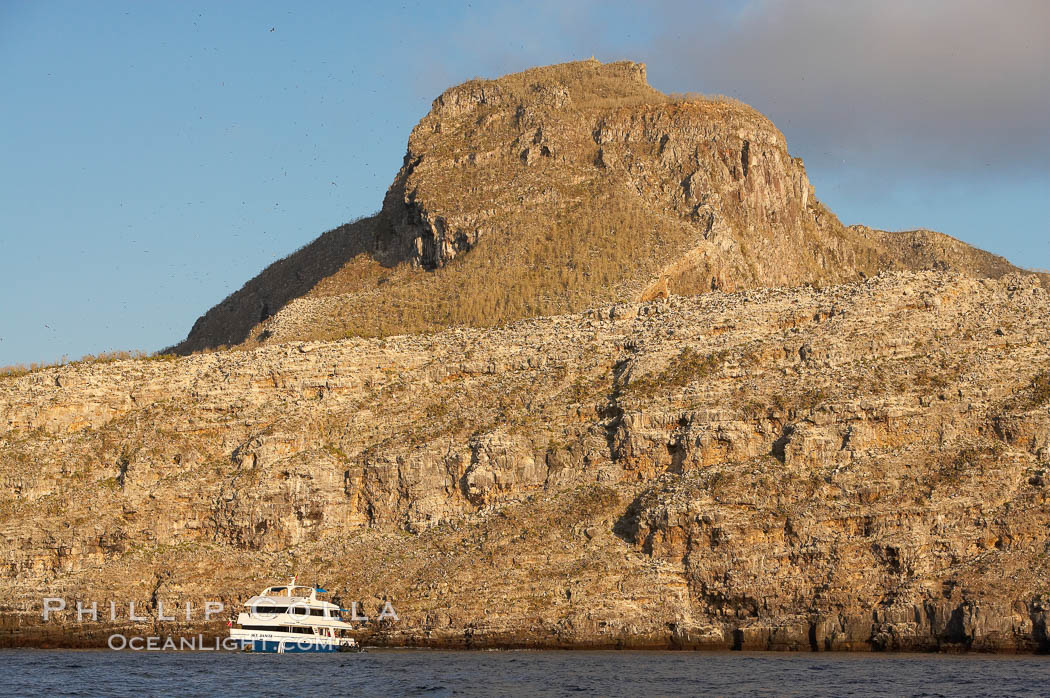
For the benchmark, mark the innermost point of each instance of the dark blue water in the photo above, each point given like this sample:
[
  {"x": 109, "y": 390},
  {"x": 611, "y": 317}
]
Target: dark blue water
[{"x": 426, "y": 673}]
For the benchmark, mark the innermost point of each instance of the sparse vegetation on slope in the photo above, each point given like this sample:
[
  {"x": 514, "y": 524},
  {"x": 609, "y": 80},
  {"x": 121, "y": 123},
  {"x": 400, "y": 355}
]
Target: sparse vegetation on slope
[
  {"x": 17, "y": 370},
  {"x": 583, "y": 254}
]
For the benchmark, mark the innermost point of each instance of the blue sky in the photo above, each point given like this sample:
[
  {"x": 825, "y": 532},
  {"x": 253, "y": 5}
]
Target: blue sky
[{"x": 158, "y": 155}]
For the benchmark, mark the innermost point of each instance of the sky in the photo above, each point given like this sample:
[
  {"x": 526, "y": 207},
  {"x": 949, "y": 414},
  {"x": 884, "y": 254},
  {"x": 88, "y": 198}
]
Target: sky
[{"x": 155, "y": 156}]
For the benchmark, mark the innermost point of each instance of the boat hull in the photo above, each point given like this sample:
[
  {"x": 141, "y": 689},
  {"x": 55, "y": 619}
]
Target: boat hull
[{"x": 287, "y": 646}]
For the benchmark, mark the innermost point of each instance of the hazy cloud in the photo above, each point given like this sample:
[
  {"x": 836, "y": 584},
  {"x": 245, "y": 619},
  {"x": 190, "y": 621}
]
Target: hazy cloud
[{"x": 945, "y": 85}]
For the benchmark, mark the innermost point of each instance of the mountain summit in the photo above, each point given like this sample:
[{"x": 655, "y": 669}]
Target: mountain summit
[{"x": 562, "y": 188}]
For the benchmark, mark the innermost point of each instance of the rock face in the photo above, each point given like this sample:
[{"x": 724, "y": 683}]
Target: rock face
[
  {"x": 861, "y": 466},
  {"x": 563, "y": 188}
]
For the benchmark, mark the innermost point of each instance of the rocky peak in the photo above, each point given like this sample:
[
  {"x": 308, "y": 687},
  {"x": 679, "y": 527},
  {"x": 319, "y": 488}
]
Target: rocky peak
[
  {"x": 559, "y": 86},
  {"x": 601, "y": 125},
  {"x": 561, "y": 188}
]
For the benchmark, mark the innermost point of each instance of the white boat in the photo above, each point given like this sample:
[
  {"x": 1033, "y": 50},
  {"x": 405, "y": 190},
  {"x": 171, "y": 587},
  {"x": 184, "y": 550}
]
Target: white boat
[{"x": 291, "y": 618}]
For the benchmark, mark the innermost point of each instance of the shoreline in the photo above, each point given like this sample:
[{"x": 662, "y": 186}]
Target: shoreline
[{"x": 210, "y": 640}]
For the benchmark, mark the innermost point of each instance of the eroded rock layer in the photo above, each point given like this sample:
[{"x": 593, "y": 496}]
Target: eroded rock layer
[{"x": 860, "y": 466}]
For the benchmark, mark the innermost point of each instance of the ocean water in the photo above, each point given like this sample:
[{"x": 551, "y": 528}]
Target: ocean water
[{"x": 554, "y": 673}]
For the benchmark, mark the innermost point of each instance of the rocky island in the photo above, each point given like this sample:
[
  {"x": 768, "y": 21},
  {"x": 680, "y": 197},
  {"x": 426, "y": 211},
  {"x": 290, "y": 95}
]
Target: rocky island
[{"x": 601, "y": 372}]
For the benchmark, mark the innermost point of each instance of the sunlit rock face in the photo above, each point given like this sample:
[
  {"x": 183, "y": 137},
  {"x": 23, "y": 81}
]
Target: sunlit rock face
[{"x": 853, "y": 467}]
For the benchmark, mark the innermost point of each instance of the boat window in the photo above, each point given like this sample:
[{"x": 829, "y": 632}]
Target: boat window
[
  {"x": 296, "y": 611},
  {"x": 300, "y": 629},
  {"x": 268, "y": 610}
]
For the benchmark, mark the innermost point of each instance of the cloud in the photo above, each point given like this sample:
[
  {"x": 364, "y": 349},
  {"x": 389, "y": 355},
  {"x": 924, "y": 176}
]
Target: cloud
[{"x": 951, "y": 85}]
